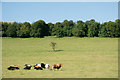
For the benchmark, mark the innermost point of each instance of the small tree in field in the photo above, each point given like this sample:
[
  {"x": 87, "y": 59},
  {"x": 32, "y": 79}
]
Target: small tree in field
[{"x": 53, "y": 44}]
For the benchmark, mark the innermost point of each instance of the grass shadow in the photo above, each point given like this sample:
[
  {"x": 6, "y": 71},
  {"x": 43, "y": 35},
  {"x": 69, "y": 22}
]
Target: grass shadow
[{"x": 58, "y": 50}]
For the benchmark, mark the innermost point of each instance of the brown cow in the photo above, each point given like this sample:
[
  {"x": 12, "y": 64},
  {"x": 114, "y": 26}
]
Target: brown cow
[
  {"x": 56, "y": 66},
  {"x": 13, "y": 67},
  {"x": 37, "y": 67}
]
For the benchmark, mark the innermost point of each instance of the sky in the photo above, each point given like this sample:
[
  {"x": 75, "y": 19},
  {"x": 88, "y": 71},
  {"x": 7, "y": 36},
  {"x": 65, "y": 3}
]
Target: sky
[{"x": 59, "y": 11}]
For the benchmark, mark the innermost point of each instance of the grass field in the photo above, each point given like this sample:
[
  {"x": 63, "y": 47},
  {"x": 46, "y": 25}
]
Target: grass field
[{"x": 81, "y": 57}]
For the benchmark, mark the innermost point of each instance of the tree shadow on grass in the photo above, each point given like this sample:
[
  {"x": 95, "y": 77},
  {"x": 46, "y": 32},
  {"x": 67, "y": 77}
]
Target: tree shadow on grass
[{"x": 58, "y": 50}]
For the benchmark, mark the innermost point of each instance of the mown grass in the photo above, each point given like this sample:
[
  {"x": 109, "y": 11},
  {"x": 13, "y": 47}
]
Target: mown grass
[{"x": 81, "y": 57}]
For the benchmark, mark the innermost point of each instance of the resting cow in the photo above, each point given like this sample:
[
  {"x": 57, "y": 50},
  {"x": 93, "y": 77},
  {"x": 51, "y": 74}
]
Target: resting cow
[
  {"x": 47, "y": 66},
  {"x": 27, "y": 66},
  {"x": 37, "y": 67},
  {"x": 56, "y": 66},
  {"x": 41, "y": 66},
  {"x": 13, "y": 67}
]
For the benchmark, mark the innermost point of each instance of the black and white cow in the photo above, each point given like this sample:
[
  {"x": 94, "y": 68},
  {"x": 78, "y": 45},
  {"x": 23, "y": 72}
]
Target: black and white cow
[
  {"x": 45, "y": 66},
  {"x": 27, "y": 66},
  {"x": 37, "y": 67},
  {"x": 13, "y": 67},
  {"x": 41, "y": 66}
]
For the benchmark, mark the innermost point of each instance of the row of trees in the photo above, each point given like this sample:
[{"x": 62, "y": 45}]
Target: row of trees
[{"x": 66, "y": 28}]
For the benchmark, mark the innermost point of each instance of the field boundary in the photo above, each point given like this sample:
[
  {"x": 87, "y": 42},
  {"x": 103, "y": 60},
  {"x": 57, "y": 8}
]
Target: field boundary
[{"x": 60, "y": 79}]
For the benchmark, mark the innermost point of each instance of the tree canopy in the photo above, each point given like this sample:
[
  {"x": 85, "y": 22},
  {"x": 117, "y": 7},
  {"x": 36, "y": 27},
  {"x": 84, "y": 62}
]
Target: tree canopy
[{"x": 39, "y": 28}]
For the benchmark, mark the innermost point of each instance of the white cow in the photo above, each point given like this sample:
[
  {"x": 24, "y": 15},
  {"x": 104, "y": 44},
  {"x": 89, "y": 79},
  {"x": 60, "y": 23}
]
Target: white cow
[{"x": 47, "y": 66}]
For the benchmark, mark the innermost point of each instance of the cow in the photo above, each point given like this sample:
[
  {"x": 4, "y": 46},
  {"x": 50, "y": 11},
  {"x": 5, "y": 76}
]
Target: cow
[
  {"x": 27, "y": 66},
  {"x": 56, "y": 66},
  {"x": 13, "y": 67},
  {"x": 41, "y": 66},
  {"x": 47, "y": 66},
  {"x": 37, "y": 67}
]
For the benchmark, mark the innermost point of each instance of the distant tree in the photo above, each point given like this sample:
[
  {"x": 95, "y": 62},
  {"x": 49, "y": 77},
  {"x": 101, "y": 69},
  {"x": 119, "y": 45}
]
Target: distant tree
[
  {"x": 53, "y": 44},
  {"x": 24, "y": 31},
  {"x": 93, "y": 28},
  {"x": 102, "y": 31},
  {"x": 51, "y": 26},
  {"x": 117, "y": 28},
  {"x": 92, "y": 21},
  {"x": 79, "y": 29},
  {"x": 39, "y": 29},
  {"x": 18, "y": 26},
  {"x": 4, "y": 28},
  {"x": 11, "y": 30},
  {"x": 27, "y": 24},
  {"x": 110, "y": 27},
  {"x": 57, "y": 30},
  {"x": 67, "y": 27},
  {"x": 0, "y": 29}
]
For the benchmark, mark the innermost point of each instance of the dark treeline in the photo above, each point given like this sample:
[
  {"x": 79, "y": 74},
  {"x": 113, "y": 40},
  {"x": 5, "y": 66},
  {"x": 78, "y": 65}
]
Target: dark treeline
[{"x": 39, "y": 28}]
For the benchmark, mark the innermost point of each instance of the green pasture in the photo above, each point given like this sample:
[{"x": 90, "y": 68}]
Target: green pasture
[{"x": 81, "y": 57}]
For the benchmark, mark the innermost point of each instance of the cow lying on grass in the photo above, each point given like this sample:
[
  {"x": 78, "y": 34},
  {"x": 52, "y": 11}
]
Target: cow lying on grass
[
  {"x": 47, "y": 66},
  {"x": 27, "y": 66},
  {"x": 56, "y": 66},
  {"x": 37, "y": 67},
  {"x": 41, "y": 66},
  {"x": 13, "y": 67}
]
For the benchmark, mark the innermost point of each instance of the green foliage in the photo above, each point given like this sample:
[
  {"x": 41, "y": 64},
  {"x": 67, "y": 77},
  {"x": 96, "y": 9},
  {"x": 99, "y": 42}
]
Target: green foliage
[
  {"x": 117, "y": 28},
  {"x": 57, "y": 30},
  {"x": 103, "y": 31},
  {"x": 39, "y": 28},
  {"x": 67, "y": 27},
  {"x": 50, "y": 26},
  {"x": 109, "y": 29},
  {"x": 4, "y": 28},
  {"x": 79, "y": 29},
  {"x": 53, "y": 44},
  {"x": 0, "y": 29},
  {"x": 11, "y": 31},
  {"x": 93, "y": 29},
  {"x": 23, "y": 30}
]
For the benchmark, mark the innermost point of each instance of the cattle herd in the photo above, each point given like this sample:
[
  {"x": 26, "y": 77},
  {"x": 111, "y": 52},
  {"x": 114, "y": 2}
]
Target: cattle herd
[{"x": 40, "y": 66}]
